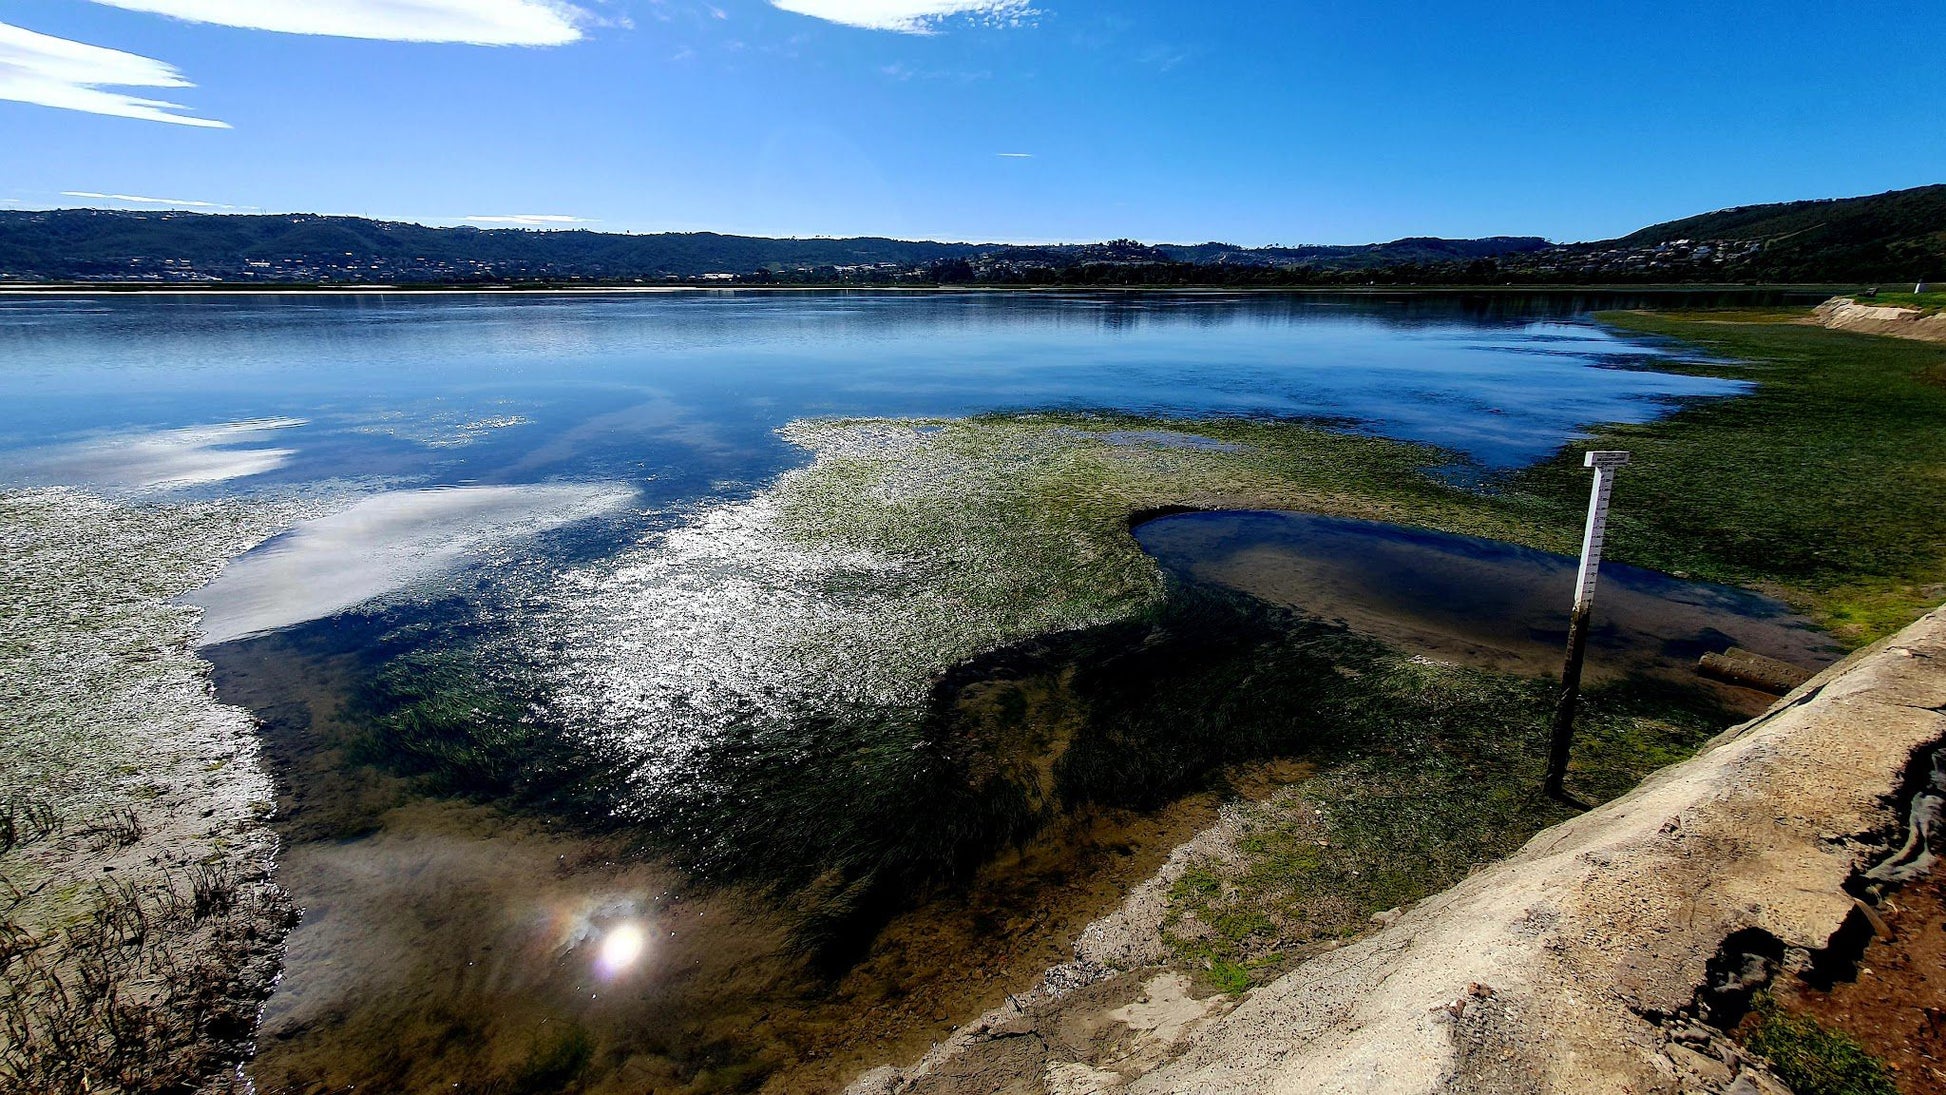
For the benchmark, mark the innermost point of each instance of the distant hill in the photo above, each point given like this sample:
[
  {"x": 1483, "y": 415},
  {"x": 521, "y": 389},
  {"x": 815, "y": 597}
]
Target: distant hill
[
  {"x": 95, "y": 244},
  {"x": 1891, "y": 237},
  {"x": 113, "y": 245},
  {"x": 1896, "y": 235}
]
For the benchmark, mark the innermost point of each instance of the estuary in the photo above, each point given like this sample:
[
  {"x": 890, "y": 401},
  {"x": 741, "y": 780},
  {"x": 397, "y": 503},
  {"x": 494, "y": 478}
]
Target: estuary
[{"x": 720, "y": 691}]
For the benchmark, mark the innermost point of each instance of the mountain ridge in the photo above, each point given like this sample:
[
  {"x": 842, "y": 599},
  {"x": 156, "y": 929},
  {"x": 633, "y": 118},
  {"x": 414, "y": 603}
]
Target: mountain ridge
[{"x": 1898, "y": 234}]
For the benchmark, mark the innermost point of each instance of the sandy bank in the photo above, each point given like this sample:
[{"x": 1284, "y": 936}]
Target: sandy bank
[
  {"x": 1605, "y": 956},
  {"x": 1846, "y": 314}
]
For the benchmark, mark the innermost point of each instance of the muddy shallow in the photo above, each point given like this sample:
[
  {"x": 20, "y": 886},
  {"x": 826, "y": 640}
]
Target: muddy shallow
[{"x": 458, "y": 946}]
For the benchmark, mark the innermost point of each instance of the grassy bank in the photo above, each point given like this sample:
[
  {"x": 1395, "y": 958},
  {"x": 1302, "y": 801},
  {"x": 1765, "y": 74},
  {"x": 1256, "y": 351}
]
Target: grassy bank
[{"x": 1929, "y": 303}]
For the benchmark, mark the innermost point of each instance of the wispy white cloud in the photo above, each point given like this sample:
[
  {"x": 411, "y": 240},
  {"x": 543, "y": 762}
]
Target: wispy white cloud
[
  {"x": 49, "y": 71},
  {"x": 531, "y": 220},
  {"x": 910, "y": 16},
  {"x": 1015, "y": 155},
  {"x": 136, "y": 199},
  {"x": 476, "y": 22}
]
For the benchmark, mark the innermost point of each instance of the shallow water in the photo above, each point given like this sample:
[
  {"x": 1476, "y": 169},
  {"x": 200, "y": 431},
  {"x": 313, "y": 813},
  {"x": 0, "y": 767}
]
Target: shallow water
[
  {"x": 1477, "y": 602},
  {"x": 485, "y": 455}
]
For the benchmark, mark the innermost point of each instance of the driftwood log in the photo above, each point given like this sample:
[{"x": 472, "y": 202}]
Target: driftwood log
[{"x": 1739, "y": 666}]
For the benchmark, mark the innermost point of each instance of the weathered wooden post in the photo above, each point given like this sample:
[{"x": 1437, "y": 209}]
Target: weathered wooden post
[{"x": 1604, "y": 464}]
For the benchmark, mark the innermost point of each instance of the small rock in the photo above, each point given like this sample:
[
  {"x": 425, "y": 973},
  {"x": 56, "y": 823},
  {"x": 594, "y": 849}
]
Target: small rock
[
  {"x": 1692, "y": 1035},
  {"x": 1012, "y": 1028},
  {"x": 1386, "y": 918},
  {"x": 1708, "y": 1069}
]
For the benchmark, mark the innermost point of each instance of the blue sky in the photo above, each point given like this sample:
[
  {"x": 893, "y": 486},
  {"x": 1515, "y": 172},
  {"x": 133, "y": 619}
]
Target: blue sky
[{"x": 971, "y": 119}]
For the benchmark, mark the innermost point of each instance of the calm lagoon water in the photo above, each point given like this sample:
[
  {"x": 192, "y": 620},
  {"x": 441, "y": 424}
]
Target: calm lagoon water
[
  {"x": 622, "y": 414},
  {"x": 683, "y": 391},
  {"x": 537, "y": 434}
]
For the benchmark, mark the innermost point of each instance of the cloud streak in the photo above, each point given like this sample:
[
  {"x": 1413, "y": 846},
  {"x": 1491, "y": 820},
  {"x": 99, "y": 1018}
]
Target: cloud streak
[
  {"x": 530, "y": 219},
  {"x": 49, "y": 71},
  {"x": 909, "y": 16},
  {"x": 133, "y": 199},
  {"x": 474, "y": 22}
]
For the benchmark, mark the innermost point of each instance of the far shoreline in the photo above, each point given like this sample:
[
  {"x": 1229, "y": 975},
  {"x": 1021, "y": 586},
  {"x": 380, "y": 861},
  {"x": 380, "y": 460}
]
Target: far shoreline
[{"x": 111, "y": 289}]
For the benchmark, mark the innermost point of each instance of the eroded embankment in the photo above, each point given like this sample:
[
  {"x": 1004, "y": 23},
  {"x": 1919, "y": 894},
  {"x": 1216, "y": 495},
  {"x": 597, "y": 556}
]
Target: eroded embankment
[
  {"x": 1846, "y": 314},
  {"x": 1608, "y": 955},
  {"x": 138, "y": 924}
]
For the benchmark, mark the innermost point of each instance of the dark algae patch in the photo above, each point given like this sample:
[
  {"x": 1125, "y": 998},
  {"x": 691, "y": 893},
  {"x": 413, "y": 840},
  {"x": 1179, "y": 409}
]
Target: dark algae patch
[{"x": 1427, "y": 771}]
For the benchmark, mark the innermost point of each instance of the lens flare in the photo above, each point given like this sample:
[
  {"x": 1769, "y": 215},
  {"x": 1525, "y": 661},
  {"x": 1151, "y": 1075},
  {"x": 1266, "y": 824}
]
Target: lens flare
[{"x": 621, "y": 948}]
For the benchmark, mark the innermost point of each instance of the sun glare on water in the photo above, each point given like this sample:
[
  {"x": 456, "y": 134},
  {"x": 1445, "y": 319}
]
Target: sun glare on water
[{"x": 621, "y": 948}]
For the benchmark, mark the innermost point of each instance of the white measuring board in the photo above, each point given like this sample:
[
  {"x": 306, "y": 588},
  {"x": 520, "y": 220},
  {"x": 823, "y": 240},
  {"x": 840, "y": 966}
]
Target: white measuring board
[{"x": 1604, "y": 464}]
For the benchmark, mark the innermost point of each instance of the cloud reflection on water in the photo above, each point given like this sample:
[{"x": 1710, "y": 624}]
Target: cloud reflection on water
[
  {"x": 381, "y": 545},
  {"x": 164, "y": 459}
]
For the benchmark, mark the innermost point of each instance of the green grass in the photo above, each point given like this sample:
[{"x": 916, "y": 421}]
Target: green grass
[
  {"x": 1814, "y": 1060},
  {"x": 1825, "y": 485},
  {"x": 1428, "y": 772},
  {"x": 1019, "y": 523}
]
